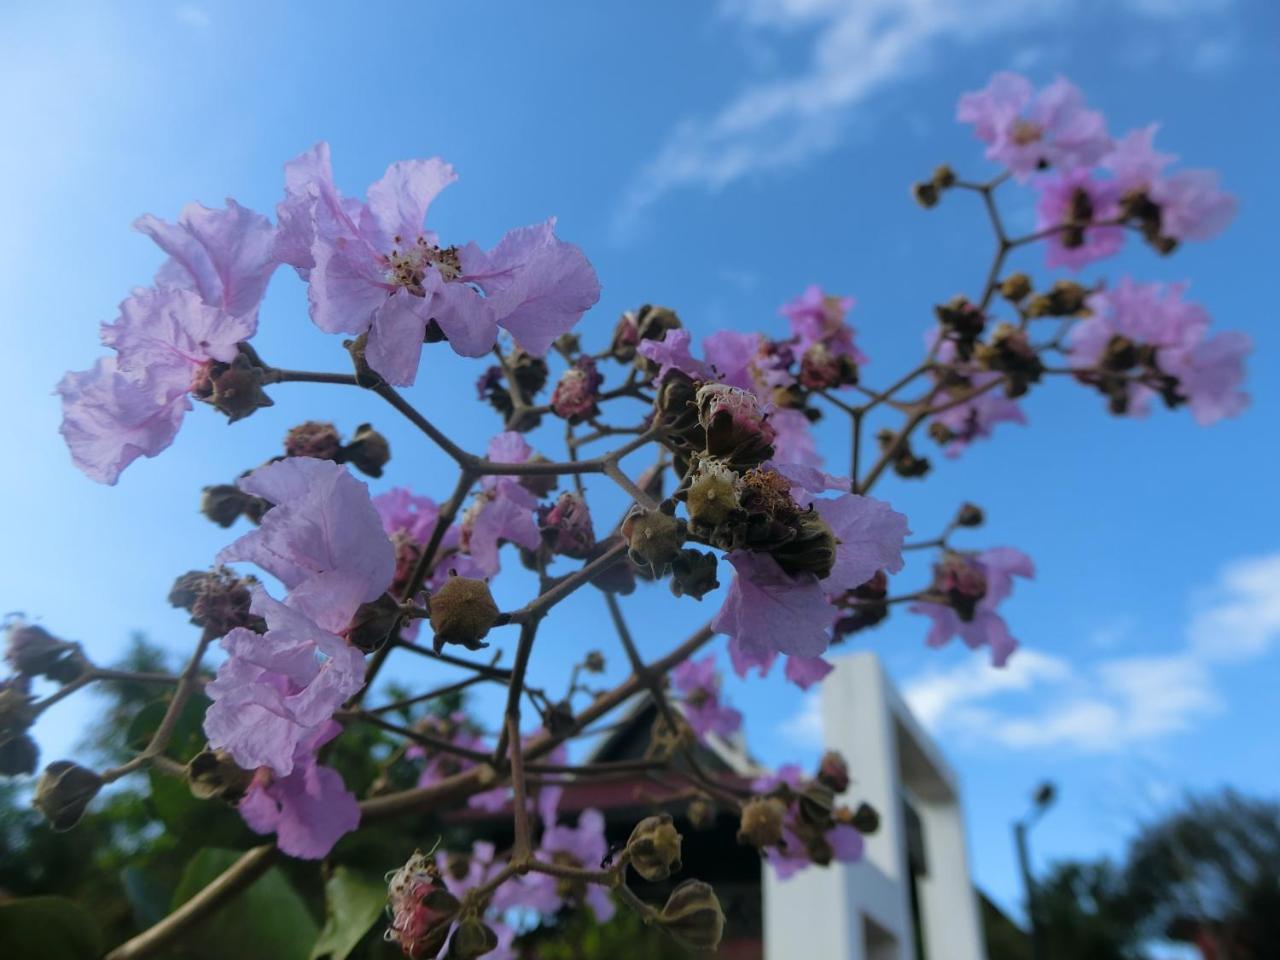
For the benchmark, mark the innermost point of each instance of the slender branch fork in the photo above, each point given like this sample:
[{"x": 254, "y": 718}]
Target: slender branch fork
[{"x": 515, "y": 760}]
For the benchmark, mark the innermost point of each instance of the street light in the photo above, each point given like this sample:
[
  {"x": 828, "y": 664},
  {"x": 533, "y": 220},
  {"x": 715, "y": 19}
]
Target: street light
[{"x": 1041, "y": 801}]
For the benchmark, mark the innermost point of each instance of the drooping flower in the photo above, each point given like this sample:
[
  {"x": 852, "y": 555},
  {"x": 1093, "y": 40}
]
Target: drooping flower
[
  {"x": 275, "y": 690},
  {"x": 576, "y": 394},
  {"x": 375, "y": 268},
  {"x": 973, "y": 586},
  {"x": 132, "y": 404},
  {"x": 1027, "y": 130},
  {"x": 309, "y": 809},
  {"x": 699, "y": 683},
  {"x": 1077, "y": 201},
  {"x": 323, "y": 539}
]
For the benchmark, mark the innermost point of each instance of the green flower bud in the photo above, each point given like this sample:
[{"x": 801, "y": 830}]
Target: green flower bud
[
  {"x": 693, "y": 916},
  {"x": 654, "y": 847},
  {"x": 925, "y": 193},
  {"x": 368, "y": 451},
  {"x": 654, "y": 538},
  {"x": 64, "y": 791},
  {"x": 462, "y": 611}
]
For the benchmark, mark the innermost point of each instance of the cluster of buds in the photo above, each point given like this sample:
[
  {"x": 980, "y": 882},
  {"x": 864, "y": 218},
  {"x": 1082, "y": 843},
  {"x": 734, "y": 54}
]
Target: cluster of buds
[
  {"x": 32, "y": 651},
  {"x": 528, "y": 376},
  {"x": 1122, "y": 362},
  {"x": 962, "y": 324},
  {"x": 1009, "y": 351},
  {"x": 648, "y": 323},
  {"x": 225, "y": 503},
  {"x": 927, "y": 193},
  {"x": 217, "y": 600},
  {"x": 904, "y": 461},
  {"x": 18, "y": 751},
  {"x": 1065, "y": 298},
  {"x": 577, "y": 393},
  {"x": 367, "y": 451},
  {"x": 1140, "y": 211}
]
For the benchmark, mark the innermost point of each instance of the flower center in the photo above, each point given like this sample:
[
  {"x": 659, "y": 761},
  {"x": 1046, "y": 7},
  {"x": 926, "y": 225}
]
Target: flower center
[
  {"x": 407, "y": 264},
  {"x": 1025, "y": 132}
]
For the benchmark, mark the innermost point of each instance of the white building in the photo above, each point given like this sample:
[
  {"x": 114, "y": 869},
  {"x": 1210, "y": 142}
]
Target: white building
[{"x": 913, "y": 883}]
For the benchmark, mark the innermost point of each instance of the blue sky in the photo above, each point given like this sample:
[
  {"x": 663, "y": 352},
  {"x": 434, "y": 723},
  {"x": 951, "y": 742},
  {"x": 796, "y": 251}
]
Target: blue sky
[{"x": 716, "y": 158}]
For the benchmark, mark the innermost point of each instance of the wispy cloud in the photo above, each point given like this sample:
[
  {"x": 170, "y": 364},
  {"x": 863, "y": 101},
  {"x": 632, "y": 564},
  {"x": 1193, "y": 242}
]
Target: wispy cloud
[
  {"x": 1107, "y": 705},
  {"x": 857, "y": 48},
  {"x": 804, "y": 728}
]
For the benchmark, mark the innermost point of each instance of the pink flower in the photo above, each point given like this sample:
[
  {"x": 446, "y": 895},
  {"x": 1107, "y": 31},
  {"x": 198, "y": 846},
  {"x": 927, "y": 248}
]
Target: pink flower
[
  {"x": 132, "y": 404},
  {"x": 374, "y": 268},
  {"x": 1210, "y": 374},
  {"x": 566, "y": 526},
  {"x": 323, "y": 539},
  {"x": 410, "y": 520},
  {"x": 1026, "y": 130},
  {"x": 976, "y": 585},
  {"x": 225, "y": 256},
  {"x": 1075, "y": 198},
  {"x": 733, "y": 357},
  {"x": 793, "y": 441},
  {"x": 869, "y": 537},
  {"x": 672, "y": 353},
  {"x": 584, "y": 846},
  {"x": 976, "y": 418},
  {"x": 309, "y": 809},
  {"x": 1134, "y": 160},
  {"x": 817, "y": 319},
  {"x": 577, "y": 391},
  {"x": 1191, "y": 205},
  {"x": 767, "y": 612},
  {"x": 503, "y": 510},
  {"x": 699, "y": 682},
  {"x": 277, "y": 690}
]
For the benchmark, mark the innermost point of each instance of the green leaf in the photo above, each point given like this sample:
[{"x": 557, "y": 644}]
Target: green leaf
[
  {"x": 268, "y": 919},
  {"x": 148, "y": 895},
  {"x": 188, "y": 733},
  {"x": 353, "y": 905},
  {"x": 51, "y": 928},
  {"x": 200, "y": 822}
]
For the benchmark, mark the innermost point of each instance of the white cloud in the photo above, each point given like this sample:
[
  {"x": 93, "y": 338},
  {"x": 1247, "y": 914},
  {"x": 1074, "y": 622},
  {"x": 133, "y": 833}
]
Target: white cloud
[
  {"x": 1040, "y": 702},
  {"x": 858, "y": 48},
  {"x": 804, "y": 729}
]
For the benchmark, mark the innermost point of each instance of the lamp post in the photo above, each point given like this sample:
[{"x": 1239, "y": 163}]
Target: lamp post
[{"x": 1041, "y": 801}]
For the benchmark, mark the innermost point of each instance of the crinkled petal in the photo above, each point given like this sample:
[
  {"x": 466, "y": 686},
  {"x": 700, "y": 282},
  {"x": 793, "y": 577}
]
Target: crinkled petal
[
  {"x": 804, "y": 672},
  {"x": 768, "y": 611},
  {"x": 869, "y": 535},
  {"x": 398, "y": 202},
  {"x": 395, "y": 337}
]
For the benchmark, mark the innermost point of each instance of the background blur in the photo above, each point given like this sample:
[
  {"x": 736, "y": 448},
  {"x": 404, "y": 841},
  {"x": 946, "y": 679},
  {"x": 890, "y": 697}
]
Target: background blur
[{"x": 716, "y": 158}]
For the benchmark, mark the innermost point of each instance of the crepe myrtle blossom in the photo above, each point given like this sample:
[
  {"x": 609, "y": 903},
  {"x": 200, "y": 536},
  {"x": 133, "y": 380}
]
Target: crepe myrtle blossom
[
  {"x": 823, "y": 340},
  {"x": 410, "y": 521},
  {"x": 132, "y": 404},
  {"x": 374, "y": 268},
  {"x": 1190, "y": 204},
  {"x": 1085, "y": 207},
  {"x": 582, "y": 846},
  {"x": 698, "y": 682},
  {"x": 277, "y": 689},
  {"x": 960, "y": 424},
  {"x": 323, "y": 539},
  {"x": 309, "y": 809},
  {"x": 844, "y": 841},
  {"x": 502, "y": 511},
  {"x": 768, "y": 611},
  {"x": 970, "y": 588},
  {"x": 1028, "y": 130},
  {"x": 1207, "y": 371}
]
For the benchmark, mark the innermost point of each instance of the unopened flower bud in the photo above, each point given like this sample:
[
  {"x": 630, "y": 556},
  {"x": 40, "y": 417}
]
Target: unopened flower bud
[
  {"x": 18, "y": 755},
  {"x": 654, "y": 847},
  {"x": 234, "y": 389},
  {"x": 1016, "y": 287},
  {"x": 373, "y": 623},
  {"x": 313, "y": 439},
  {"x": 925, "y": 193},
  {"x": 866, "y": 819},
  {"x": 654, "y": 538},
  {"x": 225, "y": 503},
  {"x": 566, "y": 526},
  {"x": 212, "y": 773},
  {"x": 693, "y": 916},
  {"x": 593, "y": 662},
  {"x": 833, "y": 771},
  {"x": 217, "y": 600},
  {"x": 701, "y": 813},
  {"x": 574, "y": 398},
  {"x": 969, "y": 515},
  {"x": 64, "y": 791},
  {"x": 368, "y": 451},
  {"x": 713, "y": 495},
  {"x": 944, "y": 176},
  {"x": 811, "y": 550},
  {"x": 462, "y": 611},
  {"x": 693, "y": 573},
  {"x": 472, "y": 939},
  {"x": 761, "y": 823},
  {"x": 33, "y": 651},
  {"x": 559, "y": 719}
]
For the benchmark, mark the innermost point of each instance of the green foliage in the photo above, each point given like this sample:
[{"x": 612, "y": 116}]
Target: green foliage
[
  {"x": 51, "y": 928},
  {"x": 353, "y": 904},
  {"x": 268, "y": 919},
  {"x": 1087, "y": 911},
  {"x": 579, "y": 937}
]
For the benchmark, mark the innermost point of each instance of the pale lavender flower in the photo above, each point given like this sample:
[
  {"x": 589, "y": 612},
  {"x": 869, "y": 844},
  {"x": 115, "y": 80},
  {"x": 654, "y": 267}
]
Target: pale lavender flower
[
  {"x": 1192, "y": 207},
  {"x": 277, "y": 690},
  {"x": 503, "y": 510},
  {"x": 672, "y": 353},
  {"x": 699, "y": 683},
  {"x": 991, "y": 572},
  {"x": 1027, "y": 130},
  {"x": 309, "y": 809},
  {"x": 1210, "y": 374},
  {"x": 583, "y": 846},
  {"x": 323, "y": 539},
  {"x": 768, "y": 611},
  {"x": 818, "y": 319},
  {"x": 375, "y": 268},
  {"x": 1078, "y": 197},
  {"x": 1134, "y": 161}
]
